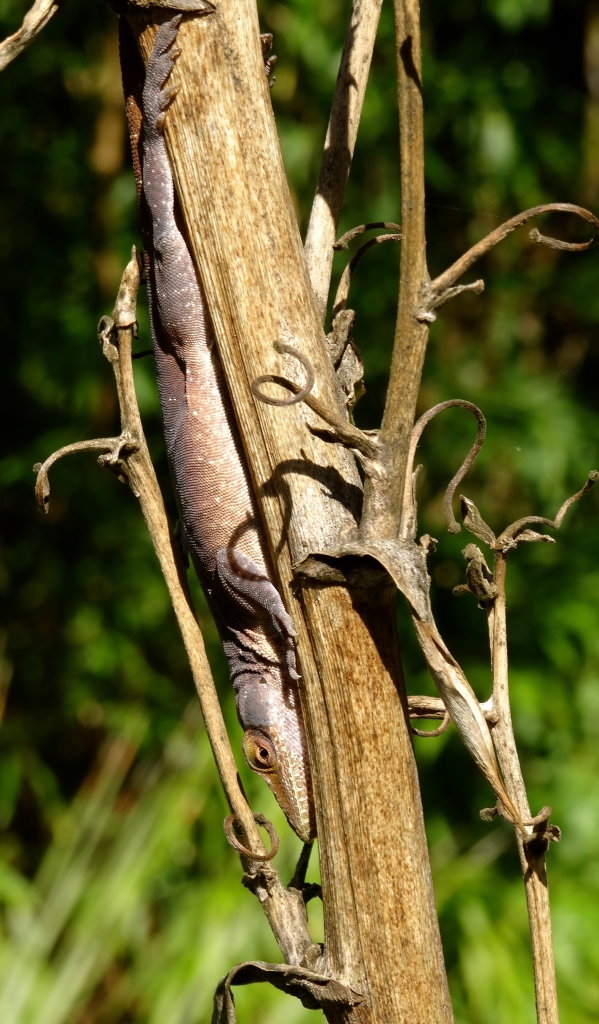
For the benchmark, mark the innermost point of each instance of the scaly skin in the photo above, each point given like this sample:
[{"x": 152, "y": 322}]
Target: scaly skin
[{"x": 218, "y": 511}]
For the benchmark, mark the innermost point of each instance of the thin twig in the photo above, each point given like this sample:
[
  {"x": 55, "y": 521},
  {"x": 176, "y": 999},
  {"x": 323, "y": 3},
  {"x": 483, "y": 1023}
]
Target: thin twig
[
  {"x": 346, "y": 277},
  {"x": 343, "y": 242},
  {"x": 517, "y": 531},
  {"x": 431, "y": 708},
  {"x": 439, "y": 299},
  {"x": 532, "y": 844},
  {"x": 112, "y": 445},
  {"x": 423, "y": 706},
  {"x": 116, "y": 336},
  {"x": 445, "y": 280},
  {"x": 589, "y": 482},
  {"x": 531, "y": 847},
  {"x": 34, "y": 22},
  {"x": 339, "y": 146},
  {"x": 532, "y": 853}
]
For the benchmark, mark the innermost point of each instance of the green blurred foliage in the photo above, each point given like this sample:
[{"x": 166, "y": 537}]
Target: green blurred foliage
[{"x": 119, "y": 901}]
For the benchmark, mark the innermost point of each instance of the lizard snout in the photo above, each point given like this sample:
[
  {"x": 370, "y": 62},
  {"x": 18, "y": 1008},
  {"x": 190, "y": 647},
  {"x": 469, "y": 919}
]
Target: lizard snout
[{"x": 286, "y": 776}]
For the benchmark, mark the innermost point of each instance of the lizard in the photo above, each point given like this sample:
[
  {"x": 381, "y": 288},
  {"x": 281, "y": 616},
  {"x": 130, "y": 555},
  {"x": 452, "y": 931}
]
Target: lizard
[{"x": 219, "y": 514}]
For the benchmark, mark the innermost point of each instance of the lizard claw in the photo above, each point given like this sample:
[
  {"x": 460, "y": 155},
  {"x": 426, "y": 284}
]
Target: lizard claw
[{"x": 166, "y": 97}]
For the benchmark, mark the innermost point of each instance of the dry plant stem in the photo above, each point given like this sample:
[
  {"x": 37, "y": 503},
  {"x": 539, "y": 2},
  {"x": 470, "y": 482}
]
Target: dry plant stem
[
  {"x": 34, "y": 22},
  {"x": 130, "y": 456},
  {"x": 339, "y": 146},
  {"x": 283, "y": 910},
  {"x": 381, "y": 930},
  {"x": 532, "y": 858},
  {"x": 383, "y": 500}
]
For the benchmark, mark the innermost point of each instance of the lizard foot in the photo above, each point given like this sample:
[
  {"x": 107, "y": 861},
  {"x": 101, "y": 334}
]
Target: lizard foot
[
  {"x": 252, "y": 590},
  {"x": 156, "y": 95}
]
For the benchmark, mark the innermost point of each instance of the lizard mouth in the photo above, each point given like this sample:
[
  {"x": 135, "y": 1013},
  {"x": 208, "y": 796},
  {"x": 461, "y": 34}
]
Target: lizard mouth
[{"x": 286, "y": 776}]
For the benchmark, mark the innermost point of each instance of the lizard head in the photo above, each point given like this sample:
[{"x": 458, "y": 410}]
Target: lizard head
[{"x": 284, "y": 767}]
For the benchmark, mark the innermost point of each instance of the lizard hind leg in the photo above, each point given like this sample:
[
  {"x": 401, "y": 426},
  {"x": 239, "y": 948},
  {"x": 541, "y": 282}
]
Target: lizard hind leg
[
  {"x": 157, "y": 98},
  {"x": 250, "y": 588}
]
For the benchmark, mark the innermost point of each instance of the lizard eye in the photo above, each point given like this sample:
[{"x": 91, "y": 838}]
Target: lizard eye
[{"x": 259, "y": 751}]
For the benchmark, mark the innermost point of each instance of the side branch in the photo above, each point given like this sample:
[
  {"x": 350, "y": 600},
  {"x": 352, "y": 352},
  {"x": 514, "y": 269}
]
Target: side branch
[
  {"x": 537, "y": 833},
  {"x": 113, "y": 446},
  {"x": 446, "y": 280},
  {"x": 518, "y": 530},
  {"x": 339, "y": 146},
  {"x": 34, "y": 22},
  {"x": 431, "y": 708}
]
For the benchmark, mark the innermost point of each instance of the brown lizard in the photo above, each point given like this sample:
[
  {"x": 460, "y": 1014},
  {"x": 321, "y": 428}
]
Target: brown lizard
[{"x": 219, "y": 516}]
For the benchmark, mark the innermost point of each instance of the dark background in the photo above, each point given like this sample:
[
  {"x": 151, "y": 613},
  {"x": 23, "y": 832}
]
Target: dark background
[{"x": 119, "y": 900}]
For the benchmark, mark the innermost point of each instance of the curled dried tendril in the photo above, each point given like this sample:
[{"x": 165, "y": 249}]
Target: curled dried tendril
[
  {"x": 431, "y": 733},
  {"x": 346, "y": 277},
  {"x": 452, "y": 524},
  {"x": 519, "y": 531},
  {"x": 375, "y": 225},
  {"x": 299, "y": 394},
  {"x": 113, "y": 447},
  {"x": 229, "y": 824},
  {"x": 342, "y": 431},
  {"x": 448, "y": 278}
]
